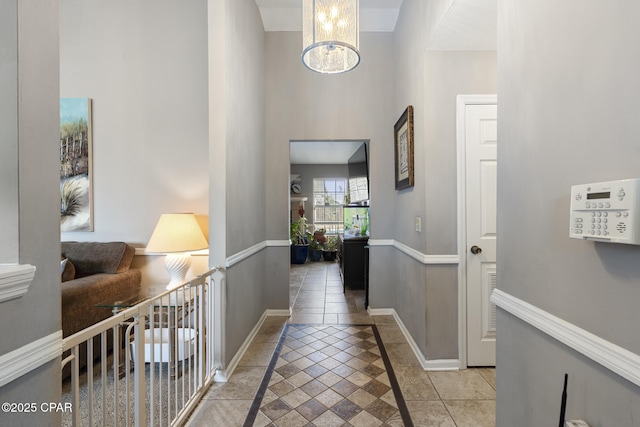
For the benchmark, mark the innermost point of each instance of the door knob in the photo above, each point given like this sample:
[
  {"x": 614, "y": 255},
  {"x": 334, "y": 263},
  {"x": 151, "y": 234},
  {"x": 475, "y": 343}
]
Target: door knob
[{"x": 476, "y": 250}]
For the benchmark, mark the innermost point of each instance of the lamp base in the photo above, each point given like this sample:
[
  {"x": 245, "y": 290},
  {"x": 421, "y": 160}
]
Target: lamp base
[{"x": 177, "y": 265}]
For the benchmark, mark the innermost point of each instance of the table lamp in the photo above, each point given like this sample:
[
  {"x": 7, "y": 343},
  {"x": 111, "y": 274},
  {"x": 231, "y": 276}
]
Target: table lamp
[{"x": 176, "y": 235}]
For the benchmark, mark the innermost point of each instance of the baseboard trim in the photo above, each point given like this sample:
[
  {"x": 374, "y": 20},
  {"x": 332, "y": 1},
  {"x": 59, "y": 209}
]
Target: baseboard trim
[
  {"x": 25, "y": 359},
  {"x": 427, "y": 365},
  {"x": 380, "y": 311},
  {"x": 613, "y": 357},
  {"x": 285, "y": 312},
  {"x": 443, "y": 365},
  {"x": 223, "y": 375}
]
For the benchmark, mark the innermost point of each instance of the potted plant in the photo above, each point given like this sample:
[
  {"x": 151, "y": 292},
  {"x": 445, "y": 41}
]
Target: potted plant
[
  {"x": 315, "y": 250},
  {"x": 299, "y": 240},
  {"x": 319, "y": 235},
  {"x": 330, "y": 248}
]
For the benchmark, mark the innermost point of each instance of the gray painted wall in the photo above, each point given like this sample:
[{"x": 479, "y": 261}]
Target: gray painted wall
[
  {"x": 426, "y": 296},
  {"x": 9, "y": 132},
  {"x": 237, "y": 166},
  {"x": 37, "y": 313},
  {"x": 302, "y": 105},
  {"x": 395, "y": 71},
  {"x": 567, "y": 115}
]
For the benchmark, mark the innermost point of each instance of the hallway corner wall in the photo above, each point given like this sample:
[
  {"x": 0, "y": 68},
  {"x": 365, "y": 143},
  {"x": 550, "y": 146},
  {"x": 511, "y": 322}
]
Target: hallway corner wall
[
  {"x": 35, "y": 317},
  {"x": 303, "y": 105},
  {"x": 237, "y": 164},
  {"x": 430, "y": 81},
  {"x": 568, "y": 109}
]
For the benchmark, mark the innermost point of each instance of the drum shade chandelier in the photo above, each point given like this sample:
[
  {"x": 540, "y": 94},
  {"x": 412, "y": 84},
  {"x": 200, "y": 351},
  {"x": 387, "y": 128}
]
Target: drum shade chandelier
[{"x": 330, "y": 35}]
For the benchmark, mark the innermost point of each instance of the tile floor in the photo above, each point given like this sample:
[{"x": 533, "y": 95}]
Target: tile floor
[
  {"x": 330, "y": 375},
  {"x": 443, "y": 399}
]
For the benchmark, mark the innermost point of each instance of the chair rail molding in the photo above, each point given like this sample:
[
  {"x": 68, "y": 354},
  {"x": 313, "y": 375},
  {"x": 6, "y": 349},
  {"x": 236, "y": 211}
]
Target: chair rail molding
[
  {"x": 252, "y": 250},
  {"x": 415, "y": 254},
  {"x": 613, "y": 357},
  {"x": 25, "y": 359},
  {"x": 235, "y": 258},
  {"x": 15, "y": 280}
]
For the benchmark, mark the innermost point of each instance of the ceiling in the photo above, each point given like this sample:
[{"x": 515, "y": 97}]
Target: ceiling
[
  {"x": 467, "y": 25},
  {"x": 463, "y": 25},
  {"x": 322, "y": 152},
  {"x": 459, "y": 25},
  {"x": 286, "y": 15}
]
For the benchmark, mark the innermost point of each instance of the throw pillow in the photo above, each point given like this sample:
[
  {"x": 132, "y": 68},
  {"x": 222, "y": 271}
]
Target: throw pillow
[{"x": 67, "y": 269}]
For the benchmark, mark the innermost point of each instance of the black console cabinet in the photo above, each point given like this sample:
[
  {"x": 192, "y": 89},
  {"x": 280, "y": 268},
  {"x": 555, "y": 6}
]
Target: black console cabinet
[{"x": 352, "y": 262}]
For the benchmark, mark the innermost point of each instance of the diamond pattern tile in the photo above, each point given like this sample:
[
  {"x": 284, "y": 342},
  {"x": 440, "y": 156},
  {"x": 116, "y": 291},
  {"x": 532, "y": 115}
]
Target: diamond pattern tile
[{"x": 329, "y": 375}]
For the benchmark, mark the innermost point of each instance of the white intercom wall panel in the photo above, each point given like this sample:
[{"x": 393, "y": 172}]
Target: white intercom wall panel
[{"x": 606, "y": 211}]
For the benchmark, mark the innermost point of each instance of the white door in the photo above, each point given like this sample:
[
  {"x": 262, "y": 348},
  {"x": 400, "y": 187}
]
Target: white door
[{"x": 481, "y": 176}]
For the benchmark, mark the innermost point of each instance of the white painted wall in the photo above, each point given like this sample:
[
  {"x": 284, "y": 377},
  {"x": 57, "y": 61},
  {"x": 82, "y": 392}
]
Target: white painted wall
[{"x": 144, "y": 64}]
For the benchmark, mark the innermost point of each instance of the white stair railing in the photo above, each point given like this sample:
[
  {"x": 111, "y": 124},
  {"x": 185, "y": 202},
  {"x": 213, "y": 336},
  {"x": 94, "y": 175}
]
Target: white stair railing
[{"x": 161, "y": 363}]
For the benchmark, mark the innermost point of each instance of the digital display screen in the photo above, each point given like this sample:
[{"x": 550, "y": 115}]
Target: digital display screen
[{"x": 604, "y": 195}]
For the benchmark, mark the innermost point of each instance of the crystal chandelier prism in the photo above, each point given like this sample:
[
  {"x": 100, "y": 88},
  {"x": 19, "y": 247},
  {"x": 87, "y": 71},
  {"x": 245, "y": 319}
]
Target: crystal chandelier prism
[{"x": 330, "y": 35}]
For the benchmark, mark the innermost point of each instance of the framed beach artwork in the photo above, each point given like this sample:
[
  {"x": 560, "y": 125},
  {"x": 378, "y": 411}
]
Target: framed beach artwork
[
  {"x": 403, "y": 135},
  {"x": 76, "y": 190}
]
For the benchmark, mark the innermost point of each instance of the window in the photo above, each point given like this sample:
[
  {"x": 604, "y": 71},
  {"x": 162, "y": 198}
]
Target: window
[{"x": 328, "y": 200}]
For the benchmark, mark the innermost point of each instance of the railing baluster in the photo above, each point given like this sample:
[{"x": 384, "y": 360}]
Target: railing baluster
[
  {"x": 139, "y": 370},
  {"x": 103, "y": 351},
  {"x": 152, "y": 376},
  {"x": 127, "y": 369},
  {"x": 90, "y": 377},
  {"x": 75, "y": 383},
  {"x": 181, "y": 323},
  {"x": 116, "y": 373}
]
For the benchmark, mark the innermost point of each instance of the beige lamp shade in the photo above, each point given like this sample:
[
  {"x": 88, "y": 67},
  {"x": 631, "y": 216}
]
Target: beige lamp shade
[{"x": 177, "y": 233}]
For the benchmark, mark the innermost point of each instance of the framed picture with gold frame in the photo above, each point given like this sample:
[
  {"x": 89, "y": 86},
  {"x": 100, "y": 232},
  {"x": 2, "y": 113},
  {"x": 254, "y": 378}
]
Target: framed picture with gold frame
[{"x": 403, "y": 136}]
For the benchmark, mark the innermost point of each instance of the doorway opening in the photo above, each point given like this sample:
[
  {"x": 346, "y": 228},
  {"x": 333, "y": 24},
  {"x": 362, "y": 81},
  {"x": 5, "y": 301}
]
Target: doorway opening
[{"x": 328, "y": 180}]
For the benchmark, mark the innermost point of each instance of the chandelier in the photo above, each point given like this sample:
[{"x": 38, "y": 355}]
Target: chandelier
[{"x": 330, "y": 35}]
